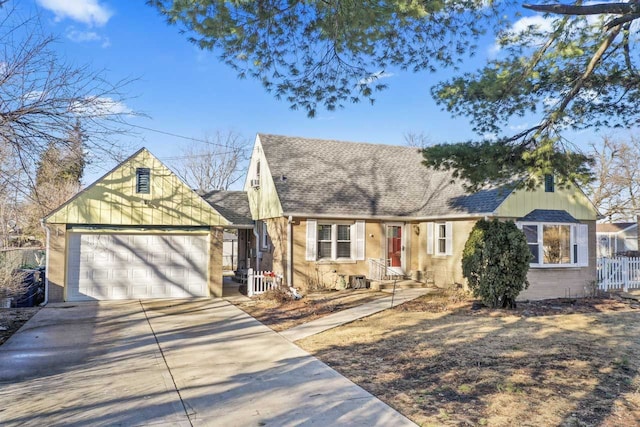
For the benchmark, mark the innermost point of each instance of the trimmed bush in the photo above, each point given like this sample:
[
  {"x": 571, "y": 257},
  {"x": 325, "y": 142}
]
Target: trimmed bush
[{"x": 495, "y": 262}]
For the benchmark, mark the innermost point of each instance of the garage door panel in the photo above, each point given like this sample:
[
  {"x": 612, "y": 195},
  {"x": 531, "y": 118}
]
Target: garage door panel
[{"x": 128, "y": 266}]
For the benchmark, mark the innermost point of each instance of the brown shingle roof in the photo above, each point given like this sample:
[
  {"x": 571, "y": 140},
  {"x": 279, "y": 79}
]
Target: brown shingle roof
[
  {"x": 326, "y": 177},
  {"x": 233, "y": 205}
]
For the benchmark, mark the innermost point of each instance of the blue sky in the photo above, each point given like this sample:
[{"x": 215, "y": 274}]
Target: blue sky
[{"x": 186, "y": 91}]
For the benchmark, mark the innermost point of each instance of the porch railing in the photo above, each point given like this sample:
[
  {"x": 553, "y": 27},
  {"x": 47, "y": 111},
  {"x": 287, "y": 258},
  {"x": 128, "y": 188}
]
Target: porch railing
[
  {"x": 378, "y": 268},
  {"x": 259, "y": 282}
]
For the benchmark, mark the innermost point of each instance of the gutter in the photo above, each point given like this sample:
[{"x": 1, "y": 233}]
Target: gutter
[
  {"x": 390, "y": 218},
  {"x": 46, "y": 263},
  {"x": 257, "y": 236}
]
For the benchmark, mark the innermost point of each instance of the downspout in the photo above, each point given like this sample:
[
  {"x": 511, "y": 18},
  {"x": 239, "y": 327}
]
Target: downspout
[
  {"x": 290, "y": 251},
  {"x": 46, "y": 263},
  {"x": 256, "y": 235}
]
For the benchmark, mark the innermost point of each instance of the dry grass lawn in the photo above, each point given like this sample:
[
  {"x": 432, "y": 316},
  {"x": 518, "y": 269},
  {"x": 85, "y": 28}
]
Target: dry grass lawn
[
  {"x": 441, "y": 362},
  {"x": 282, "y": 315}
]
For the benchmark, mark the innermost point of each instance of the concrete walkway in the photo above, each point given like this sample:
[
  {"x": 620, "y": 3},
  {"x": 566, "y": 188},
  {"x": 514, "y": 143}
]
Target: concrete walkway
[
  {"x": 165, "y": 362},
  {"x": 347, "y": 316}
]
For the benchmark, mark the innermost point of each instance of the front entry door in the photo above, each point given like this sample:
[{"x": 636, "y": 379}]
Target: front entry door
[{"x": 395, "y": 248}]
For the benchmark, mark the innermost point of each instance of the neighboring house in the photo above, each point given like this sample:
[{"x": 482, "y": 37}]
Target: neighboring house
[
  {"x": 616, "y": 238},
  {"x": 330, "y": 210},
  {"x": 140, "y": 232}
]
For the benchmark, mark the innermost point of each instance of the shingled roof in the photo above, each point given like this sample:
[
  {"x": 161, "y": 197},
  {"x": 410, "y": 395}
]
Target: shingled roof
[
  {"x": 326, "y": 177},
  {"x": 548, "y": 215},
  {"x": 233, "y": 205},
  {"x": 614, "y": 227}
]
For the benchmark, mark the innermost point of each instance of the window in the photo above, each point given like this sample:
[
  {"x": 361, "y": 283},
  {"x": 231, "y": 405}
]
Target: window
[
  {"x": 557, "y": 244},
  {"x": 531, "y": 233},
  {"x": 344, "y": 241},
  {"x": 143, "y": 180},
  {"x": 264, "y": 235},
  {"x": 324, "y": 241},
  {"x": 440, "y": 238},
  {"x": 556, "y": 240},
  {"x": 549, "y": 184},
  {"x": 335, "y": 241}
]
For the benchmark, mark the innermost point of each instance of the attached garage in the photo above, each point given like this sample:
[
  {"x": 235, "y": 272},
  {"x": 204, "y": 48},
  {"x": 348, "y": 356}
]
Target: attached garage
[
  {"x": 137, "y": 232},
  {"x": 110, "y": 266}
]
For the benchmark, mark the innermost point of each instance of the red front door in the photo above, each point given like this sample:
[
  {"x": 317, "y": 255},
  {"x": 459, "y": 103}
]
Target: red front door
[{"x": 394, "y": 245}]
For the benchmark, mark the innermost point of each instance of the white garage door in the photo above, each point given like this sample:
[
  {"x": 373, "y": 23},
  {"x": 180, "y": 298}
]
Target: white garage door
[{"x": 108, "y": 266}]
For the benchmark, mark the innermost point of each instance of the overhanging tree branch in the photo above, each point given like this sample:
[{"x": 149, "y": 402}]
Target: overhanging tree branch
[{"x": 619, "y": 8}]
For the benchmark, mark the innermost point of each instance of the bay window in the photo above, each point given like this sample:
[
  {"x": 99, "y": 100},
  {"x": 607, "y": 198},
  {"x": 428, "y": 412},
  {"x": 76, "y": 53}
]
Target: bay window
[{"x": 556, "y": 245}]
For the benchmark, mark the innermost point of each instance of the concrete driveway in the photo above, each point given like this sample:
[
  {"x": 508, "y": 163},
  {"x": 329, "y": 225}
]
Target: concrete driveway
[{"x": 163, "y": 362}]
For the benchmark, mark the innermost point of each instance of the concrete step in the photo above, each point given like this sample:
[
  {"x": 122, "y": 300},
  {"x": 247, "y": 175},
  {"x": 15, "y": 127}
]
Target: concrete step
[{"x": 387, "y": 285}]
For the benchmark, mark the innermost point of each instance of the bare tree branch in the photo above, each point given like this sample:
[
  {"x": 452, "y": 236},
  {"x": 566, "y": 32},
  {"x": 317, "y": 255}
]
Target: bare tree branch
[{"x": 216, "y": 164}]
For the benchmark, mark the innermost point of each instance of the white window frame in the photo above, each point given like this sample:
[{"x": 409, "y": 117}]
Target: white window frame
[
  {"x": 574, "y": 244},
  {"x": 334, "y": 240},
  {"x": 356, "y": 240},
  {"x": 434, "y": 238},
  {"x": 264, "y": 235},
  {"x": 440, "y": 239}
]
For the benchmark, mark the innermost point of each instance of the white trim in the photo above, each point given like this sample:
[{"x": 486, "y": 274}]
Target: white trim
[
  {"x": 402, "y": 242},
  {"x": 430, "y": 238},
  {"x": 312, "y": 240},
  {"x": 582, "y": 242},
  {"x": 448, "y": 241},
  {"x": 358, "y": 241},
  {"x": 289, "y": 251},
  {"x": 448, "y": 238},
  {"x": 338, "y": 217},
  {"x": 264, "y": 236}
]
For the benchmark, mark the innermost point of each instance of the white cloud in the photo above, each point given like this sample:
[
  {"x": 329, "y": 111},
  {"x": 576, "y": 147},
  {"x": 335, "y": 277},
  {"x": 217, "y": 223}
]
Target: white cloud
[
  {"x": 99, "y": 107},
  {"x": 519, "y": 127},
  {"x": 378, "y": 75},
  {"x": 89, "y": 12},
  {"x": 551, "y": 101},
  {"x": 79, "y": 36},
  {"x": 539, "y": 22}
]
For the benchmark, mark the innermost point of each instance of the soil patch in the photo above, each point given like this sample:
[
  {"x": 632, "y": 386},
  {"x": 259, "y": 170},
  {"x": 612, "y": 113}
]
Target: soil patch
[
  {"x": 12, "y": 319},
  {"x": 281, "y": 315},
  {"x": 445, "y": 360}
]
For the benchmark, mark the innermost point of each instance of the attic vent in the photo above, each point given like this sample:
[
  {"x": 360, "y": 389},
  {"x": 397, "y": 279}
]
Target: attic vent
[
  {"x": 549, "y": 186},
  {"x": 143, "y": 180}
]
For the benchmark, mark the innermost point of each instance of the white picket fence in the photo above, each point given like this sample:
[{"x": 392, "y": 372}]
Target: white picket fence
[
  {"x": 259, "y": 282},
  {"x": 618, "y": 273}
]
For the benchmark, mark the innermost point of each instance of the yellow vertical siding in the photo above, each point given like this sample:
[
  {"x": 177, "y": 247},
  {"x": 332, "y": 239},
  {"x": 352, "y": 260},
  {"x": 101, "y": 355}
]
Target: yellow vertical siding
[
  {"x": 263, "y": 201},
  {"x": 521, "y": 202},
  {"x": 112, "y": 200}
]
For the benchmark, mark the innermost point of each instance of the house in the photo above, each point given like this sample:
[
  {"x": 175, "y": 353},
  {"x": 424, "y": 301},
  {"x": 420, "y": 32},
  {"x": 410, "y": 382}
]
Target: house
[
  {"x": 140, "y": 232},
  {"x": 330, "y": 211},
  {"x": 616, "y": 238},
  {"x": 316, "y": 212}
]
